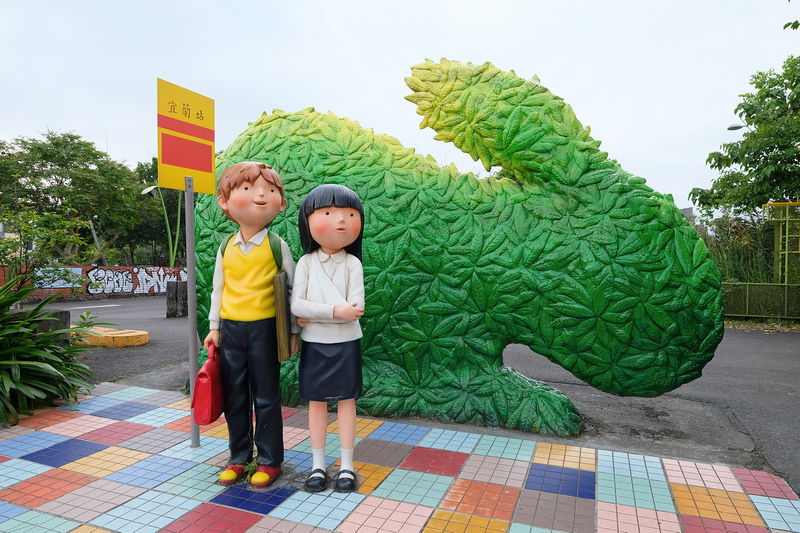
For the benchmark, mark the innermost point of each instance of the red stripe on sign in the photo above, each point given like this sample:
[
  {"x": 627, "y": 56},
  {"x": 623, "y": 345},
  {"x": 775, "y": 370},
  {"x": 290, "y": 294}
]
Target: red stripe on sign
[
  {"x": 179, "y": 126},
  {"x": 184, "y": 153}
]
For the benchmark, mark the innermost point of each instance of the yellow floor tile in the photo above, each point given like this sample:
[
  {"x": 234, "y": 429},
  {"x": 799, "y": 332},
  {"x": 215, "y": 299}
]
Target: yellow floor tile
[
  {"x": 370, "y": 476},
  {"x": 364, "y": 427},
  {"x": 716, "y": 504},
  {"x": 106, "y": 462},
  {"x": 450, "y": 522},
  {"x": 221, "y": 431},
  {"x": 183, "y": 405},
  {"x": 565, "y": 456}
]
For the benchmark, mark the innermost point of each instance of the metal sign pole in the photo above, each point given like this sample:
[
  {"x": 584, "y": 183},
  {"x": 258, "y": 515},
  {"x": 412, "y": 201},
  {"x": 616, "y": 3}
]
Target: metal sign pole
[{"x": 191, "y": 291}]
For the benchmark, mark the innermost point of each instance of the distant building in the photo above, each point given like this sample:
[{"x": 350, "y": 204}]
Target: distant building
[{"x": 688, "y": 213}]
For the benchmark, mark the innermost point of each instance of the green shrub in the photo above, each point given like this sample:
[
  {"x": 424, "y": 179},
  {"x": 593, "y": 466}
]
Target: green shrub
[{"x": 36, "y": 367}]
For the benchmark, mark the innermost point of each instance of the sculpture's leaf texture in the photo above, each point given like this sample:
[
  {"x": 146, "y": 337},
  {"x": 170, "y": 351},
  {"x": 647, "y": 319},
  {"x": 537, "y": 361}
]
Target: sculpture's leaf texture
[{"x": 566, "y": 253}]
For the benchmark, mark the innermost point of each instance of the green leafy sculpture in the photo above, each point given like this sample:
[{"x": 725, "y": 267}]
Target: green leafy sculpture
[{"x": 563, "y": 251}]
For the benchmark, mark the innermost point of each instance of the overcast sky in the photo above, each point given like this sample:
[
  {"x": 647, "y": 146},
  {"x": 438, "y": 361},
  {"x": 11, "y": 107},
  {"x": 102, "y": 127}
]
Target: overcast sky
[{"x": 656, "y": 80}]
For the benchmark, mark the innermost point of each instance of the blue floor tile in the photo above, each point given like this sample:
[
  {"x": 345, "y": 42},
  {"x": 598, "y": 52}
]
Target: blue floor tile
[
  {"x": 36, "y": 522},
  {"x": 261, "y": 501},
  {"x": 92, "y": 405},
  {"x": 9, "y": 510},
  {"x": 124, "y": 411},
  {"x": 302, "y": 462},
  {"x": 402, "y": 433},
  {"x": 778, "y": 513},
  {"x": 560, "y": 480},
  {"x": 209, "y": 447},
  {"x": 30, "y": 442},
  {"x": 151, "y": 472},
  {"x": 65, "y": 452},
  {"x": 148, "y": 513},
  {"x": 16, "y": 470},
  {"x": 454, "y": 441},
  {"x": 325, "y": 510}
]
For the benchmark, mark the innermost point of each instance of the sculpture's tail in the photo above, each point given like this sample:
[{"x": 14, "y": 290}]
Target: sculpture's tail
[{"x": 504, "y": 120}]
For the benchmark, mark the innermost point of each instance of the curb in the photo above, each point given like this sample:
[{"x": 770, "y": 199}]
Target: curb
[{"x": 115, "y": 338}]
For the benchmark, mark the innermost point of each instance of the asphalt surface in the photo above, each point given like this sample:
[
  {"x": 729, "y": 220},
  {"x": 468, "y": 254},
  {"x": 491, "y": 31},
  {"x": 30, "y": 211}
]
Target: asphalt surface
[{"x": 743, "y": 411}]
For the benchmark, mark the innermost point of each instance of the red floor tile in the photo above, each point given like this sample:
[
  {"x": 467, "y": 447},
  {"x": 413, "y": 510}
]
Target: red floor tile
[
  {"x": 764, "y": 484},
  {"x": 44, "y": 488},
  {"x": 210, "y": 517},
  {"x": 433, "y": 461},
  {"x": 116, "y": 433},
  {"x": 185, "y": 424},
  {"x": 47, "y": 418},
  {"x": 286, "y": 412},
  {"x": 695, "y": 524},
  {"x": 482, "y": 499}
]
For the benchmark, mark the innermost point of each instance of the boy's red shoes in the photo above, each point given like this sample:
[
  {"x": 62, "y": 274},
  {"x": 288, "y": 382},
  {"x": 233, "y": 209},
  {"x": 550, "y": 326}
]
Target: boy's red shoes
[
  {"x": 264, "y": 476},
  {"x": 232, "y": 474}
]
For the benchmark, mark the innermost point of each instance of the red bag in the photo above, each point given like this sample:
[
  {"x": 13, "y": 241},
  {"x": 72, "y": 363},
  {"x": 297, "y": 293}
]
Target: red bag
[{"x": 207, "y": 401}]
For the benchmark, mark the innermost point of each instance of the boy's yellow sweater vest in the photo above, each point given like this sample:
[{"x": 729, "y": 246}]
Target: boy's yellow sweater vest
[{"x": 248, "y": 293}]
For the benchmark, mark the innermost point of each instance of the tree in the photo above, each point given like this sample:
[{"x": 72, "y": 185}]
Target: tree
[
  {"x": 764, "y": 165},
  {"x": 793, "y": 25},
  {"x": 172, "y": 212},
  {"x": 63, "y": 172},
  {"x": 160, "y": 223},
  {"x": 149, "y": 218},
  {"x": 32, "y": 245}
]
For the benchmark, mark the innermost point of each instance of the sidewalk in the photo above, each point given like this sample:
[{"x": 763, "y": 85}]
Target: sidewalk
[{"x": 122, "y": 463}]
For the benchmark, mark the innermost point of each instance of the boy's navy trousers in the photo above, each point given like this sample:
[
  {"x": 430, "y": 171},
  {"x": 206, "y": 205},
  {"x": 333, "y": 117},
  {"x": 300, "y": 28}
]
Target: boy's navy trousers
[{"x": 250, "y": 373}]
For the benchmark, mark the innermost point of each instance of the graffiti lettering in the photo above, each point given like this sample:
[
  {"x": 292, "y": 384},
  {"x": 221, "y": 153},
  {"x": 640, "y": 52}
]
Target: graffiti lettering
[
  {"x": 132, "y": 280},
  {"x": 108, "y": 281},
  {"x": 155, "y": 279}
]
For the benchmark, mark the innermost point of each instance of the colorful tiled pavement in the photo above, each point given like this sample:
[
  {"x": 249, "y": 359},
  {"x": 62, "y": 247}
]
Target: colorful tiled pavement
[{"x": 123, "y": 463}]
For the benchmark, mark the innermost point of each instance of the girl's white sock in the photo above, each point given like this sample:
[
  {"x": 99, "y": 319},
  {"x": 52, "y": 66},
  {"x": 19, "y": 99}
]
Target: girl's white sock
[
  {"x": 318, "y": 457},
  {"x": 347, "y": 461}
]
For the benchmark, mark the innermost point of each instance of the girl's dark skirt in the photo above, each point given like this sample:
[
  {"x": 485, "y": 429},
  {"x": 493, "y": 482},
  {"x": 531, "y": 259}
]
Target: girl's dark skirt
[{"x": 330, "y": 372}]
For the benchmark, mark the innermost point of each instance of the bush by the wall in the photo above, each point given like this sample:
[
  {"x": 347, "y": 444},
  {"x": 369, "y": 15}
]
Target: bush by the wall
[{"x": 36, "y": 367}]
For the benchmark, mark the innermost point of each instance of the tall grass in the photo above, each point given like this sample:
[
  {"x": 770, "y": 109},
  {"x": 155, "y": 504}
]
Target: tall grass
[{"x": 742, "y": 247}]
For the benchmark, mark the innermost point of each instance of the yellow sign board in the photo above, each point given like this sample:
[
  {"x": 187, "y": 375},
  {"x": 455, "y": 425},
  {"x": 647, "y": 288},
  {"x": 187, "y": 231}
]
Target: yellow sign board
[{"x": 185, "y": 138}]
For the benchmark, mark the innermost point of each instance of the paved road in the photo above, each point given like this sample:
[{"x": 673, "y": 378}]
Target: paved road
[
  {"x": 744, "y": 411},
  {"x": 163, "y": 362}
]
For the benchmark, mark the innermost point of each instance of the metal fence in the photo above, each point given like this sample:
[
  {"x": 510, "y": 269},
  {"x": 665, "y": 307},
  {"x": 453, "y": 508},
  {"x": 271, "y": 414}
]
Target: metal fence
[
  {"x": 761, "y": 300},
  {"x": 786, "y": 216}
]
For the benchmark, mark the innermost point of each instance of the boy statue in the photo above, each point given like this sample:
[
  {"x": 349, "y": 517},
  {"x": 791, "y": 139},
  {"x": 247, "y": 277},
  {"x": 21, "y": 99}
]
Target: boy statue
[{"x": 242, "y": 321}]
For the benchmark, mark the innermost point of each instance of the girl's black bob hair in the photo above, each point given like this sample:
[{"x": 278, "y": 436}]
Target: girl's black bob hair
[{"x": 323, "y": 196}]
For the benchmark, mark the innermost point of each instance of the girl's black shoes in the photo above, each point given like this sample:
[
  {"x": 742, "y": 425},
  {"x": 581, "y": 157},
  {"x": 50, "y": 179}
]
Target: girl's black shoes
[
  {"x": 346, "y": 483},
  {"x": 317, "y": 483}
]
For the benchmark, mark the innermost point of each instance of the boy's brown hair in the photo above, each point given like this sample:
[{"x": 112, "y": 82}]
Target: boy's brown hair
[{"x": 248, "y": 171}]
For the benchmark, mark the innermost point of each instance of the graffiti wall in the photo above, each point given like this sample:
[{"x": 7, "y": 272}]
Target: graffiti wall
[
  {"x": 131, "y": 280},
  {"x": 115, "y": 281}
]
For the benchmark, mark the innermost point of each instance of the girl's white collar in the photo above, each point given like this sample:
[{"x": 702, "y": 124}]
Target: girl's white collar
[{"x": 336, "y": 258}]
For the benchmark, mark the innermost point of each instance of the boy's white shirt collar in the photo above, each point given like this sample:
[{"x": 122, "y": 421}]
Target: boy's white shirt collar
[{"x": 257, "y": 239}]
